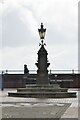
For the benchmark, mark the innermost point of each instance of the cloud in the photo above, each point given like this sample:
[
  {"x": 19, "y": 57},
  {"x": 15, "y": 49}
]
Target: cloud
[
  {"x": 20, "y": 21},
  {"x": 16, "y": 58},
  {"x": 59, "y": 58},
  {"x": 15, "y": 33},
  {"x": 63, "y": 57},
  {"x": 19, "y": 26}
]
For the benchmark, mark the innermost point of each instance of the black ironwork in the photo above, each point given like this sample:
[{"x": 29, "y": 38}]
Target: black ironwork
[{"x": 42, "y": 34}]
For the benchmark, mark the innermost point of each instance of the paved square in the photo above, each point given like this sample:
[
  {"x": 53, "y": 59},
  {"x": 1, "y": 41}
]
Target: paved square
[
  {"x": 39, "y": 110},
  {"x": 13, "y": 107}
]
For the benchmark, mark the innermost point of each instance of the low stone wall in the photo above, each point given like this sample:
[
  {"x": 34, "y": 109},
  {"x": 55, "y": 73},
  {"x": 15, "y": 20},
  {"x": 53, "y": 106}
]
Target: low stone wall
[
  {"x": 19, "y": 80},
  {"x": 68, "y": 80},
  {"x": 13, "y": 81}
]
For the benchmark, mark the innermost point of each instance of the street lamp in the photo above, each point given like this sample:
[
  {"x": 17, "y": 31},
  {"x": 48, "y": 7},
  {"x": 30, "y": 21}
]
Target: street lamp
[{"x": 42, "y": 32}]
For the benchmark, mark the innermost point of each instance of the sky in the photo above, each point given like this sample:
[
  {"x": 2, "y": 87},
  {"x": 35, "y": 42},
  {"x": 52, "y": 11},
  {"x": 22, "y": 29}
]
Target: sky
[{"x": 19, "y": 38}]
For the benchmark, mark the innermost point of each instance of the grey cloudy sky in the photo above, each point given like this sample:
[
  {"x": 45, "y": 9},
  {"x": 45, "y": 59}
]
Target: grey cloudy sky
[{"x": 20, "y": 20}]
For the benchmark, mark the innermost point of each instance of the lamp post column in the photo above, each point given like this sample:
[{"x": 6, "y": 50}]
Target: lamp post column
[{"x": 42, "y": 65}]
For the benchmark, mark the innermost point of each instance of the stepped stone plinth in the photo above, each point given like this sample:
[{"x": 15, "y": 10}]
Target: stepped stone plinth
[
  {"x": 33, "y": 91},
  {"x": 43, "y": 88}
]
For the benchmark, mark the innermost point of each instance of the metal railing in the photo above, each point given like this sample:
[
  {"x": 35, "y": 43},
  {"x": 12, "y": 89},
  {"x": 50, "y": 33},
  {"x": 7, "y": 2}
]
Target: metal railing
[{"x": 35, "y": 71}]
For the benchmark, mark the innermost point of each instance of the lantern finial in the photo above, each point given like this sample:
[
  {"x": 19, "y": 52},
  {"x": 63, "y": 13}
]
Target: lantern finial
[{"x": 42, "y": 32}]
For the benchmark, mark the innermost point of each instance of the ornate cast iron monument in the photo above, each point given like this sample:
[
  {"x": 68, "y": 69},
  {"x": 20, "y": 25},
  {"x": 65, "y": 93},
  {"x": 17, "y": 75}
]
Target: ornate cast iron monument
[
  {"x": 43, "y": 88},
  {"x": 42, "y": 63}
]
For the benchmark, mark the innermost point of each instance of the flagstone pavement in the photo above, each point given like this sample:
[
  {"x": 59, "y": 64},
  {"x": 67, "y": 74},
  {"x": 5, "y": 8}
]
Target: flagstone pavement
[{"x": 46, "y": 106}]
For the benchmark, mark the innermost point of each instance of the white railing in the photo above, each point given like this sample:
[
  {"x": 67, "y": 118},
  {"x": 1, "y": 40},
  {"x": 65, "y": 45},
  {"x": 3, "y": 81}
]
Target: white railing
[{"x": 35, "y": 71}]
